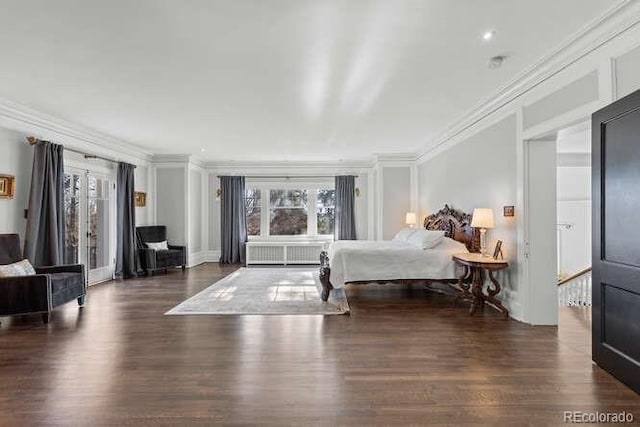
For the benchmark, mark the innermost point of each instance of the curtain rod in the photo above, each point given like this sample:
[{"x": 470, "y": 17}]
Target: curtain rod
[
  {"x": 33, "y": 141},
  {"x": 290, "y": 177}
]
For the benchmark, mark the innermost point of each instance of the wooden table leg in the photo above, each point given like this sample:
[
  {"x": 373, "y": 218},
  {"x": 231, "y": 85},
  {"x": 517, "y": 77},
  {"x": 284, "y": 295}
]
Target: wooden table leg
[
  {"x": 476, "y": 290},
  {"x": 491, "y": 295},
  {"x": 463, "y": 287}
]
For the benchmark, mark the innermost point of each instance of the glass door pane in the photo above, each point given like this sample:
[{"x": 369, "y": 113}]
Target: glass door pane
[
  {"x": 99, "y": 226},
  {"x": 72, "y": 199}
]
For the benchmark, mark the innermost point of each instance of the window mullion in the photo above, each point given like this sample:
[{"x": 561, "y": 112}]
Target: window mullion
[
  {"x": 312, "y": 217},
  {"x": 265, "y": 212}
]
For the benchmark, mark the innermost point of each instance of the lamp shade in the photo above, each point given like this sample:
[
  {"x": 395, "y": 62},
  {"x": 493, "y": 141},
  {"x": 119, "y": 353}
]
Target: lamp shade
[
  {"x": 482, "y": 218},
  {"x": 411, "y": 218}
]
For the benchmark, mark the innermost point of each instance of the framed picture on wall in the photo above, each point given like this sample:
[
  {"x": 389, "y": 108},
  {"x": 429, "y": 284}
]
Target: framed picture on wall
[
  {"x": 497, "y": 252},
  {"x": 7, "y": 186},
  {"x": 141, "y": 199}
]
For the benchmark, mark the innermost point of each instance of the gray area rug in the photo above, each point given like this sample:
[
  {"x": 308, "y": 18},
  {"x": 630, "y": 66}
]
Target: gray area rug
[{"x": 265, "y": 291}]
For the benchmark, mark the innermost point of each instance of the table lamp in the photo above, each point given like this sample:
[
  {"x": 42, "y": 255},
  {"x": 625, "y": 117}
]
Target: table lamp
[
  {"x": 411, "y": 219},
  {"x": 483, "y": 219}
]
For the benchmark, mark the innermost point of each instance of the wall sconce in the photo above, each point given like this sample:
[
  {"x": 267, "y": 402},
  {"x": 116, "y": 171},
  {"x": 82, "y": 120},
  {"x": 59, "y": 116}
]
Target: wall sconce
[
  {"x": 7, "y": 186},
  {"x": 357, "y": 191}
]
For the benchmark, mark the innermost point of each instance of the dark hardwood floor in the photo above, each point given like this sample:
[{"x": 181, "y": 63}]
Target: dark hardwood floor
[{"x": 404, "y": 356}]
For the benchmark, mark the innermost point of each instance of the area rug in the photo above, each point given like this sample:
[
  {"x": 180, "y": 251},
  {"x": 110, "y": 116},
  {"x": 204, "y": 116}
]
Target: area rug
[{"x": 293, "y": 291}]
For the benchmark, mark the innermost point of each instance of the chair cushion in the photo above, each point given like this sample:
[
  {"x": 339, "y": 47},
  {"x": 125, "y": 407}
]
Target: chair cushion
[
  {"x": 21, "y": 268},
  {"x": 63, "y": 281},
  {"x": 169, "y": 258},
  {"x": 158, "y": 246}
]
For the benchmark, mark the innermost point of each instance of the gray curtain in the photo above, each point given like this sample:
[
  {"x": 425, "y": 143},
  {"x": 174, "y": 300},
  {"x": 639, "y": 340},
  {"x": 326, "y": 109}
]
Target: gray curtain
[
  {"x": 345, "y": 222},
  {"x": 233, "y": 219},
  {"x": 44, "y": 237},
  {"x": 126, "y": 251}
]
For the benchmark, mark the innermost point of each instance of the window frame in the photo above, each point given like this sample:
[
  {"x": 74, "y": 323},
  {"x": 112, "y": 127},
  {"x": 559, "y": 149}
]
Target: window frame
[{"x": 312, "y": 212}]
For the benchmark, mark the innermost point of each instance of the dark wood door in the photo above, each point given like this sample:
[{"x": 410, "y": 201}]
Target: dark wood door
[{"x": 616, "y": 239}]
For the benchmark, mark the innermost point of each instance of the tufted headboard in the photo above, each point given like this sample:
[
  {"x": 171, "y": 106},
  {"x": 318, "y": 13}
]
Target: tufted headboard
[{"x": 456, "y": 225}]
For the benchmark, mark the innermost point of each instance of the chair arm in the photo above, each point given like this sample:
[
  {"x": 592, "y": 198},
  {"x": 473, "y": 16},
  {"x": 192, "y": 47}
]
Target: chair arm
[
  {"x": 147, "y": 258},
  {"x": 25, "y": 294},
  {"x": 182, "y": 249},
  {"x": 69, "y": 268}
]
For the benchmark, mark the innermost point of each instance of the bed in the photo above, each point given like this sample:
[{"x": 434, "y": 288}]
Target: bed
[{"x": 362, "y": 262}]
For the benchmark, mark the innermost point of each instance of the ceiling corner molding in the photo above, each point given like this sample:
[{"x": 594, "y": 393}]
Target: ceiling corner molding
[
  {"x": 394, "y": 159},
  {"x": 28, "y": 120},
  {"x": 615, "y": 21}
]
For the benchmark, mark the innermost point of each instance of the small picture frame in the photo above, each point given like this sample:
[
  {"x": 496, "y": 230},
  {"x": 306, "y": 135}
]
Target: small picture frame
[
  {"x": 497, "y": 252},
  {"x": 141, "y": 199},
  {"x": 508, "y": 211},
  {"x": 7, "y": 186}
]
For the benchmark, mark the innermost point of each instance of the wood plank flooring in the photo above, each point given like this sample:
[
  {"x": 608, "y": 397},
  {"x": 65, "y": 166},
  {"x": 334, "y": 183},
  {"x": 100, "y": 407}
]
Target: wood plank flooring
[{"x": 404, "y": 356}]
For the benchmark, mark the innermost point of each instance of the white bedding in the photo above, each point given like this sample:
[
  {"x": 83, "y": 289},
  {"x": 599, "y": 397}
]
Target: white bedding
[{"x": 361, "y": 260}]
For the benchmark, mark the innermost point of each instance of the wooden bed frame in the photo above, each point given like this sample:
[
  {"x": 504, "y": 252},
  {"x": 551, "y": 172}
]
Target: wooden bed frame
[{"x": 456, "y": 225}]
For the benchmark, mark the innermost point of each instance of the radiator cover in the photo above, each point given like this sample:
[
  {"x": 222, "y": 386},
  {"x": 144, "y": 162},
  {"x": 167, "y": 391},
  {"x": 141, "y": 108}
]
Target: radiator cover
[{"x": 284, "y": 252}]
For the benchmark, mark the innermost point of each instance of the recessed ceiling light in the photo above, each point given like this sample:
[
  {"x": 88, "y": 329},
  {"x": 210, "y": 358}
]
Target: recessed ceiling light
[
  {"x": 202, "y": 150},
  {"x": 488, "y": 35}
]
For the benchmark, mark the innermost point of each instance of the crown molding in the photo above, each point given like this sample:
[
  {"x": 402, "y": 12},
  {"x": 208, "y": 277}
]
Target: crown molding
[
  {"x": 614, "y": 22},
  {"x": 284, "y": 166},
  {"x": 46, "y": 126},
  {"x": 393, "y": 159}
]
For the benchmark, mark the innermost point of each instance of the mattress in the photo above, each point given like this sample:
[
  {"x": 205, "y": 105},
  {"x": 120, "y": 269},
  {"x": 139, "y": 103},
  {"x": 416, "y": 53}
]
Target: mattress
[{"x": 361, "y": 260}]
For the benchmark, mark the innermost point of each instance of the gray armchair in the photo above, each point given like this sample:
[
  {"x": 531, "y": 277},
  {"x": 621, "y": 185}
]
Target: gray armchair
[
  {"x": 49, "y": 288},
  {"x": 153, "y": 260}
]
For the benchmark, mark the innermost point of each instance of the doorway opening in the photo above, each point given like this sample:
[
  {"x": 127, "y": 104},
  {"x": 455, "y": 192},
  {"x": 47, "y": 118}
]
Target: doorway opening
[{"x": 559, "y": 225}]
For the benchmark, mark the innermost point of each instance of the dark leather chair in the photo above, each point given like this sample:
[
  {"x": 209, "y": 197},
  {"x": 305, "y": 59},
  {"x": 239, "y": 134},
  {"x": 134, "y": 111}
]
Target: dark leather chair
[
  {"x": 42, "y": 292},
  {"x": 152, "y": 260}
]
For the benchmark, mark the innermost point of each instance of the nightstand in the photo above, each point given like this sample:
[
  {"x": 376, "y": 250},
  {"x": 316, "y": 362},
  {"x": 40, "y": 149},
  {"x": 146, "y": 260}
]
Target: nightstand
[{"x": 475, "y": 266}]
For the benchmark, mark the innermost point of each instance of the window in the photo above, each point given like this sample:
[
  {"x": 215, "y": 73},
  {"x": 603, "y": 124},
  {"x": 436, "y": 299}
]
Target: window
[
  {"x": 305, "y": 211},
  {"x": 253, "y": 204},
  {"x": 325, "y": 211},
  {"x": 288, "y": 212}
]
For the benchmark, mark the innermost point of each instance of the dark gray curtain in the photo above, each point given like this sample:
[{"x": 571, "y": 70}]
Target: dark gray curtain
[
  {"x": 233, "y": 219},
  {"x": 44, "y": 237},
  {"x": 345, "y": 222},
  {"x": 126, "y": 251}
]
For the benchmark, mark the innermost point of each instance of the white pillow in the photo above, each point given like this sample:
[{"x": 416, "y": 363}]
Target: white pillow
[
  {"x": 158, "y": 246},
  {"x": 426, "y": 239},
  {"x": 403, "y": 235},
  {"x": 17, "y": 269}
]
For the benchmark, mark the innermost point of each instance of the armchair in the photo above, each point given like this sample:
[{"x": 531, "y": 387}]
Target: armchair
[
  {"x": 153, "y": 260},
  {"x": 39, "y": 293}
]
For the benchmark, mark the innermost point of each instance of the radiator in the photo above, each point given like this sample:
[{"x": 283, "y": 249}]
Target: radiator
[{"x": 284, "y": 252}]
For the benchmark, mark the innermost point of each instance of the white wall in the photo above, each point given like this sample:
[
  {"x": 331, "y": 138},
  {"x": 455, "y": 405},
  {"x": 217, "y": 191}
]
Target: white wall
[
  {"x": 170, "y": 201},
  {"x": 478, "y": 172},
  {"x": 574, "y": 209},
  {"x": 16, "y": 159},
  {"x": 195, "y": 211},
  {"x": 142, "y": 184},
  {"x": 396, "y": 199}
]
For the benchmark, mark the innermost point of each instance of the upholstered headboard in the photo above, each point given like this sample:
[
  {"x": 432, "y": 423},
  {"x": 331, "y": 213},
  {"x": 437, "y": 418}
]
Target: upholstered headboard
[{"x": 456, "y": 225}]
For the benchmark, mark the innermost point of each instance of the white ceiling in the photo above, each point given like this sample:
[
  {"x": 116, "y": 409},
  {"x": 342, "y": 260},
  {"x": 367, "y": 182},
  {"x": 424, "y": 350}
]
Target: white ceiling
[{"x": 272, "y": 80}]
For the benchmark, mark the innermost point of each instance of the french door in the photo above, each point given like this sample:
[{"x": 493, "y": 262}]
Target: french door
[{"x": 89, "y": 208}]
